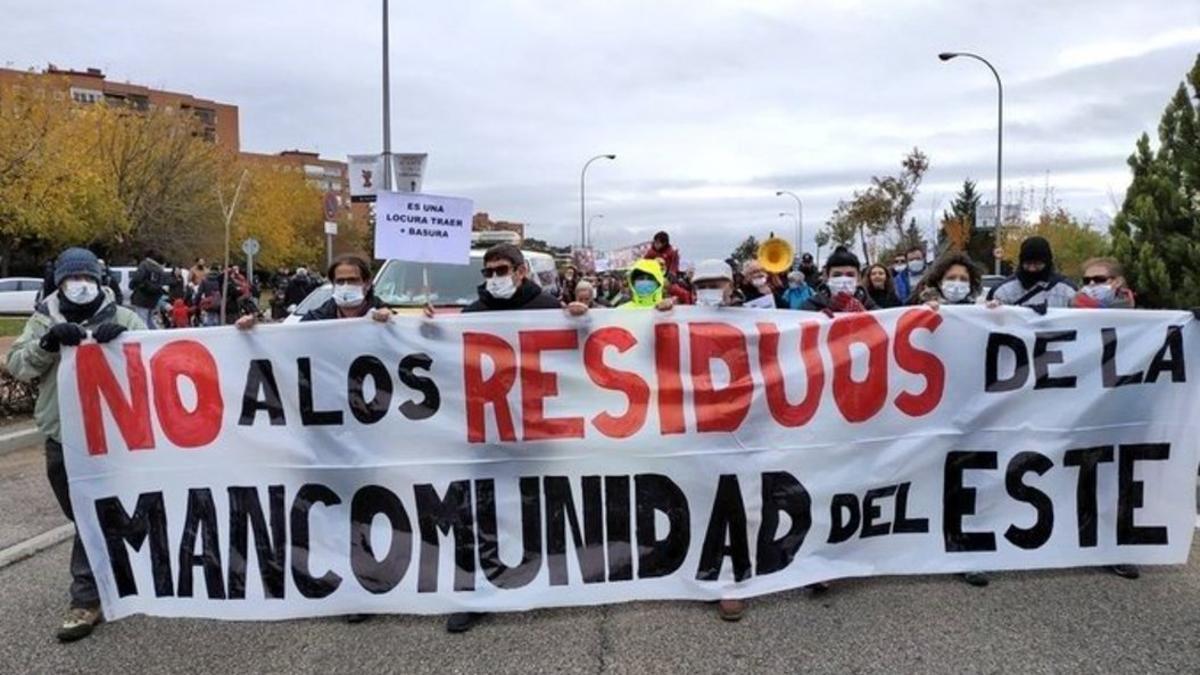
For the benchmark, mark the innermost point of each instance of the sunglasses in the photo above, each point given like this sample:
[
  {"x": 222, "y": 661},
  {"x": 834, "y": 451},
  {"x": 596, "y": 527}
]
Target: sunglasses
[
  {"x": 1095, "y": 280},
  {"x": 500, "y": 270}
]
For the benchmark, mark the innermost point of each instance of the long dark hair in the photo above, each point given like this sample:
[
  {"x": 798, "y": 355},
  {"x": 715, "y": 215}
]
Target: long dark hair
[
  {"x": 889, "y": 284},
  {"x": 933, "y": 278}
]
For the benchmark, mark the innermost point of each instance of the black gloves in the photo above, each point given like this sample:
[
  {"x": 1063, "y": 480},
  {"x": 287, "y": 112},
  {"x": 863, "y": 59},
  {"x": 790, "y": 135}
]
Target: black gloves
[
  {"x": 69, "y": 334},
  {"x": 106, "y": 332}
]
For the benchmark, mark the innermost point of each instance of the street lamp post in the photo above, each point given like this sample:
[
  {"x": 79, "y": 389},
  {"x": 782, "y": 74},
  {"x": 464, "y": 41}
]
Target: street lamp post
[
  {"x": 588, "y": 238},
  {"x": 793, "y": 216},
  {"x": 946, "y": 56},
  {"x": 799, "y": 219},
  {"x": 387, "y": 107},
  {"x": 582, "y": 200}
]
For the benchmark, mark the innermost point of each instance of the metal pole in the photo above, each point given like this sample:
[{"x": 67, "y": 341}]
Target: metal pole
[
  {"x": 228, "y": 219},
  {"x": 799, "y": 219},
  {"x": 583, "y": 200},
  {"x": 997, "y": 232},
  {"x": 589, "y": 227},
  {"x": 387, "y": 108}
]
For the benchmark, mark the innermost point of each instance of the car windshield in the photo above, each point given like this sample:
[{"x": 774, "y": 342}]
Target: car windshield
[
  {"x": 315, "y": 299},
  {"x": 401, "y": 283}
]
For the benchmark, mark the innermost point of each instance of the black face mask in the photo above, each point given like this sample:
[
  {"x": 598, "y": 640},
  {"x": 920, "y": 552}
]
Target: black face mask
[
  {"x": 79, "y": 313},
  {"x": 1028, "y": 279}
]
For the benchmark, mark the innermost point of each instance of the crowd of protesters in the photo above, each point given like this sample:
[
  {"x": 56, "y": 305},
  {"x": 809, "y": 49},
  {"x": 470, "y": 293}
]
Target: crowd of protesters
[{"x": 81, "y": 298}]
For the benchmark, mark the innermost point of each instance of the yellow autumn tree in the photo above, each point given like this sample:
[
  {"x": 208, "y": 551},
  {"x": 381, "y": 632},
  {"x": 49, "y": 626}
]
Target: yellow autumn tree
[
  {"x": 283, "y": 212},
  {"x": 54, "y": 190}
]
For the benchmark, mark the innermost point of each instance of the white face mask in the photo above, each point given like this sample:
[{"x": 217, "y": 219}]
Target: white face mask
[
  {"x": 842, "y": 285},
  {"x": 710, "y": 297},
  {"x": 955, "y": 290},
  {"x": 349, "y": 295},
  {"x": 1102, "y": 293},
  {"x": 759, "y": 281},
  {"x": 501, "y": 287},
  {"x": 899, "y": 267},
  {"x": 916, "y": 266},
  {"x": 80, "y": 292}
]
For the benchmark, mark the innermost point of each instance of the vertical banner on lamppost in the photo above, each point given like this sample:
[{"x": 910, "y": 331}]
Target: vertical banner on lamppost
[
  {"x": 423, "y": 228},
  {"x": 409, "y": 170},
  {"x": 366, "y": 177}
]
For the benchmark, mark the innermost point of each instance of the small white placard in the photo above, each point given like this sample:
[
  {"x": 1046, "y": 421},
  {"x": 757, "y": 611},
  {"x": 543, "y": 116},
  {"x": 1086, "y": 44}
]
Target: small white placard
[{"x": 423, "y": 228}]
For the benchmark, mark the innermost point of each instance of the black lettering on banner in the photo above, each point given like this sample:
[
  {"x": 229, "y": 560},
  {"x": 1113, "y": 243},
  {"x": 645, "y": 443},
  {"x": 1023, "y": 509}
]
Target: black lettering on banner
[
  {"x": 1014, "y": 344},
  {"x": 728, "y": 521},
  {"x": 432, "y": 402},
  {"x": 617, "y": 525},
  {"x": 501, "y": 575},
  {"x": 436, "y": 514},
  {"x": 959, "y": 501},
  {"x": 1131, "y": 493},
  {"x": 1169, "y": 358},
  {"x": 781, "y": 493},
  {"x": 261, "y": 393},
  {"x": 842, "y": 527},
  {"x": 1108, "y": 363},
  {"x": 1086, "y": 502},
  {"x": 309, "y": 586},
  {"x": 1039, "y": 533},
  {"x": 310, "y": 417},
  {"x": 871, "y": 512},
  {"x": 369, "y": 412},
  {"x": 149, "y": 519},
  {"x": 377, "y": 575},
  {"x": 904, "y": 524},
  {"x": 201, "y": 519},
  {"x": 1044, "y": 357},
  {"x": 560, "y": 514},
  {"x": 660, "y": 557},
  {"x": 246, "y": 515}
]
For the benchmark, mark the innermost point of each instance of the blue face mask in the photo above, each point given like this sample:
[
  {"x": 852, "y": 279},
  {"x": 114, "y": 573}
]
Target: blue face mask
[{"x": 645, "y": 286}]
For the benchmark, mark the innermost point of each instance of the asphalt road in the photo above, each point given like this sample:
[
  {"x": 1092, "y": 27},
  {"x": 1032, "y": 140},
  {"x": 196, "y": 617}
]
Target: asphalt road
[{"x": 1082, "y": 620}]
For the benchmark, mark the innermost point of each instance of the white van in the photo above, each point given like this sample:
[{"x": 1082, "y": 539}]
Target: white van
[{"x": 402, "y": 284}]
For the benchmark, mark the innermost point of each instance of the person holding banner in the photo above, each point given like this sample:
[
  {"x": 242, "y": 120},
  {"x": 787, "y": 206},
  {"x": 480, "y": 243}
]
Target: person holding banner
[
  {"x": 758, "y": 291},
  {"x": 840, "y": 292},
  {"x": 79, "y": 305},
  {"x": 1035, "y": 285},
  {"x": 647, "y": 281},
  {"x": 353, "y": 295},
  {"x": 953, "y": 279}
]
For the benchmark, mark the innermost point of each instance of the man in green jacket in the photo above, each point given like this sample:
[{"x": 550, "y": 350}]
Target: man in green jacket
[{"x": 64, "y": 318}]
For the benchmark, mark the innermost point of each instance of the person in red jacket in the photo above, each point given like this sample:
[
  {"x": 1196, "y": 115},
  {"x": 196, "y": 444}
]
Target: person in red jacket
[
  {"x": 181, "y": 315},
  {"x": 661, "y": 248}
]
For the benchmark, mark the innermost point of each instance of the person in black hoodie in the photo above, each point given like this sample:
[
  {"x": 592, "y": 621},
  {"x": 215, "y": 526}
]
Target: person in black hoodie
[{"x": 841, "y": 291}]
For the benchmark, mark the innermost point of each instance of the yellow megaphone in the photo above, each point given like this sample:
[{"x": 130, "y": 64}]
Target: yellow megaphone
[{"x": 775, "y": 254}]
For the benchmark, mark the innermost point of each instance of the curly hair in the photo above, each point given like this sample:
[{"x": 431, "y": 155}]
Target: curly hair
[{"x": 933, "y": 277}]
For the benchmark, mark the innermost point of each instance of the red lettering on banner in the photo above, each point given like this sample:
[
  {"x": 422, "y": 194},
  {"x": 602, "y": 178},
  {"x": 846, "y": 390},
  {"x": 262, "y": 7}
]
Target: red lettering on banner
[
  {"x": 184, "y": 428},
  {"x": 859, "y": 401},
  {"x": 494, "y": 390},
  {"x": 537, "y": 385},
  {"x": 919, "y": 362},
  {"x": 720, "y": 409},
  {"x": 635, "y": 388},
  {"x": 95, "y": 379},
  {"x": 814, "y": 371},
  {"x": 670, "y": 384}
]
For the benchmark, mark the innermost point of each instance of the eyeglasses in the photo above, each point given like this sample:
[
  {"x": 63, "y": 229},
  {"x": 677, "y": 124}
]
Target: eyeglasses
[
  {"x": 498, "y": 270},
  {"x": 1088, "y": 281}
]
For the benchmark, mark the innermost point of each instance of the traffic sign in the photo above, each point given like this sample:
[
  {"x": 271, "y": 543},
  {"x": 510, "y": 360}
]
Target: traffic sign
[
  {"x": 250, "y": 246},
  {"x": 331, "y": 205}
]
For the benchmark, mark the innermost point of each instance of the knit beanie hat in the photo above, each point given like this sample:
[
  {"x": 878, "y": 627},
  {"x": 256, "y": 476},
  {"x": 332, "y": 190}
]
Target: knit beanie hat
[
  {"x": 842, "y": 257},
  {"x": 76, "y": 261}
]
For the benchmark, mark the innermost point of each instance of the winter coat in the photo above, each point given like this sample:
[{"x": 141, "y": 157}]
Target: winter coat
[
  {"x": 1055, "y": 292},
  {"x": 821, "y": 301},
  {"x": 27, "y": 360},
  {"x": 670, "y": 256},
  {"x": 885, "y": 299},
  {"x": 146, "y": 284},
  {"x": 794, "y": 298},
  {"x": 637, "y": 301},
  {"x": 329, "y": 309},
  {"x": 1124, "y": 300}
]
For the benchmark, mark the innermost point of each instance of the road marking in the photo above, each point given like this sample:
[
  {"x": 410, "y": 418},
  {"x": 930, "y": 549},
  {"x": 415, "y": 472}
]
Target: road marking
[
  {"x": 35, "y": 545},
  {"x": 20, "y": 438}
]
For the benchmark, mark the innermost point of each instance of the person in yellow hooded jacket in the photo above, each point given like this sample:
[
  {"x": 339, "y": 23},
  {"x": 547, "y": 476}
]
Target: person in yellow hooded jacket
[{"x": 646, "y": 284}]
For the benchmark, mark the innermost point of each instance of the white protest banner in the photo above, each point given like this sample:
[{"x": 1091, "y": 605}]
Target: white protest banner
[
  {"x": 423, "y": 228},
  {"x": 505, "y": 461},
  {"x": 366, "y": 177}
]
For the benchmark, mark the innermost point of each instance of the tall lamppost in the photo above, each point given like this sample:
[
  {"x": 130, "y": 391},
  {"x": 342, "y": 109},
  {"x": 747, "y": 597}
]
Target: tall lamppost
[
  {"x": 799, "y": 219},
  {"x": 387, "y": 107},
  {"x": 582, "y": 199},
  {"x": 797, "y": 230},
  {"x": 588, "y": 238},
  {"x": 946, "y": 56}
]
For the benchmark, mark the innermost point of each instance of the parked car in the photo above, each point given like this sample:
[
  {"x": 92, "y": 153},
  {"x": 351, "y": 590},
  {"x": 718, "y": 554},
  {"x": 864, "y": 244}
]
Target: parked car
[{"x": 18, "y": 295}]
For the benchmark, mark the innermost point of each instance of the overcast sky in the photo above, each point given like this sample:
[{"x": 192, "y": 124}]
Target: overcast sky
[{"x": 710, "y": 105}]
